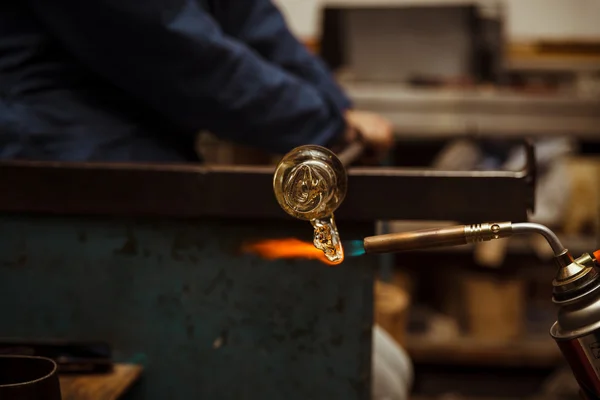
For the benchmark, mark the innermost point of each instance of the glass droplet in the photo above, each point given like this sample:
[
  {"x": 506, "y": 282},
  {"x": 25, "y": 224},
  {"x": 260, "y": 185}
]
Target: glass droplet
[{"x": 327, "y": 239}]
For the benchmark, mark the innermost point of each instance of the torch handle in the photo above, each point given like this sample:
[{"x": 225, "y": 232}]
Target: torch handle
[
  {"x": 437, "y": 237},
  {"x": 462, "y": 234},
  {"x": 423, "y": 239}
]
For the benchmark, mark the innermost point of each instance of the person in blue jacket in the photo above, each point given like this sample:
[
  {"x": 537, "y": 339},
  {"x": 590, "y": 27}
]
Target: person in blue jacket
[{"x": 136, "y": 80}]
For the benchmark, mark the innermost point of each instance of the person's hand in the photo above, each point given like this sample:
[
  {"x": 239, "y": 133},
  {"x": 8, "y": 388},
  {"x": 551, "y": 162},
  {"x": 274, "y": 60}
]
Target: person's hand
[{"x": 376, "y": 131}]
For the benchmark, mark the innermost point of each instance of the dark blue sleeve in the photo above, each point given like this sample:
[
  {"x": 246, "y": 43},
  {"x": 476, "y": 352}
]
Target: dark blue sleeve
[
  {"x": 172, "y": 55},
  {"x": 260, "y": 25}
]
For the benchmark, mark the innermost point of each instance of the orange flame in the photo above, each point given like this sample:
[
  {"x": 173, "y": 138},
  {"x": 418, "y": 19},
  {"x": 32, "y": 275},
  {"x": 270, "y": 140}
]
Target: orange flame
[{"x": 273, "y": 249}]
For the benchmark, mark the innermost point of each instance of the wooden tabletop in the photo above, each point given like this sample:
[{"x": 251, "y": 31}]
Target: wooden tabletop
[
  {"x": 539, "y": 352},
  {"x": 109, "y": 386}
]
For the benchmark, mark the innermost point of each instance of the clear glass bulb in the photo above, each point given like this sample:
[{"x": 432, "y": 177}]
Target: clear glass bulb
[{"x": 310, "y": 183}]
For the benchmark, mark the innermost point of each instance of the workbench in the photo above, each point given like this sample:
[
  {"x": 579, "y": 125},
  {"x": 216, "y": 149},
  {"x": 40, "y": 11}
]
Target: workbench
[
  {"x": 112, "y": 385},
  {"x": 147, "y": 258}
]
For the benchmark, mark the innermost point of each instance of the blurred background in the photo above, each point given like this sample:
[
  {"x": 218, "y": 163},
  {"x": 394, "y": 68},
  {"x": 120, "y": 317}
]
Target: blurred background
[{"x": 465, "y": 83}]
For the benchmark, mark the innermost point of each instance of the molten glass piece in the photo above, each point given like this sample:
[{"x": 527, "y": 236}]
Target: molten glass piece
[
  {"x": 327, "y": 239},
  {"x": 310, "y": 183}
]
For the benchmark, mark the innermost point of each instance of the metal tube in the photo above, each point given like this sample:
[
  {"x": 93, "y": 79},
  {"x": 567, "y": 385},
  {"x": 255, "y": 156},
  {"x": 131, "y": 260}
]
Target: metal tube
[
  {"x": 551, "y": 238},
  {"x": 437, "y": 237},
  {"x": 460, "y": 235},
  {"x": 351, "y": 153},
  {"x": 407, "y": 241}
]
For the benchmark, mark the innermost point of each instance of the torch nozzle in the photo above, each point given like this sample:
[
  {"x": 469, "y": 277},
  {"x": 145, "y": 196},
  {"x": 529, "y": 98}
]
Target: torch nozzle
[{"x": 456, "y": 236}]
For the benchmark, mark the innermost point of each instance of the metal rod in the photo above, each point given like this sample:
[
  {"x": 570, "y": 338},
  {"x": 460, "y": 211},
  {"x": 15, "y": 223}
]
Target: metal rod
[
  {"x": 407, "y": 241},
  {"x": 351, "y": 153},
  {"x": 551, "y": 238},
  {"x": 458, "y": 235}
]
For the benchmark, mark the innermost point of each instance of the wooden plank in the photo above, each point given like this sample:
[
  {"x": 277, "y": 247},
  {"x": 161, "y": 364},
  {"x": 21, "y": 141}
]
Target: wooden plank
[
  {"x": 534, "y": 352},
  {"x": 566, "y": 48},
  {"x": 110, "y": 386}
]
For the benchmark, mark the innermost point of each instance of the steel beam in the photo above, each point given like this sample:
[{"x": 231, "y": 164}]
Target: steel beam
[{"x": 190, "y": 191}]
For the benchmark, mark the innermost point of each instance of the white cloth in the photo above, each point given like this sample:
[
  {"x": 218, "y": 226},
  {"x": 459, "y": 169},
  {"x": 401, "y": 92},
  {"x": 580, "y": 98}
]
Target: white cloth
[{"x": 391, "y": 367}]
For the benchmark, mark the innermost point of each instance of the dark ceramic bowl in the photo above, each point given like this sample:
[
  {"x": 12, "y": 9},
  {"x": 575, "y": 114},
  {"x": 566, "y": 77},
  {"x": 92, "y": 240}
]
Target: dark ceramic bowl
[{"x": 28, "y": 378}]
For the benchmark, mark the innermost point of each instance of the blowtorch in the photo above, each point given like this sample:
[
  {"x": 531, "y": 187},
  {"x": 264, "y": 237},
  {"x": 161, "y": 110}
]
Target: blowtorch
[
  {"x": 310, "y": 183},
  {"x": 576, "y": 287}
]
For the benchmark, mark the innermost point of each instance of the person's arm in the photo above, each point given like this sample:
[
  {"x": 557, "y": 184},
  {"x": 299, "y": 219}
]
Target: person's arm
[
  {"x": 260, "y": 25},
  {"x": 173, "y": 56}
]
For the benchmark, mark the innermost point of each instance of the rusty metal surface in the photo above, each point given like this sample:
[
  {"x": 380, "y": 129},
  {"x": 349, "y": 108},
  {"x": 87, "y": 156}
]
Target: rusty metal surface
[
  {"x": 246, "y": 192},
  {"x": 209, "y": 323}
]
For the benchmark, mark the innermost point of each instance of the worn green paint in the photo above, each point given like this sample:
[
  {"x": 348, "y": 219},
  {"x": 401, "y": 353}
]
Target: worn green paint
[{"x": 208, "y": 321}]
